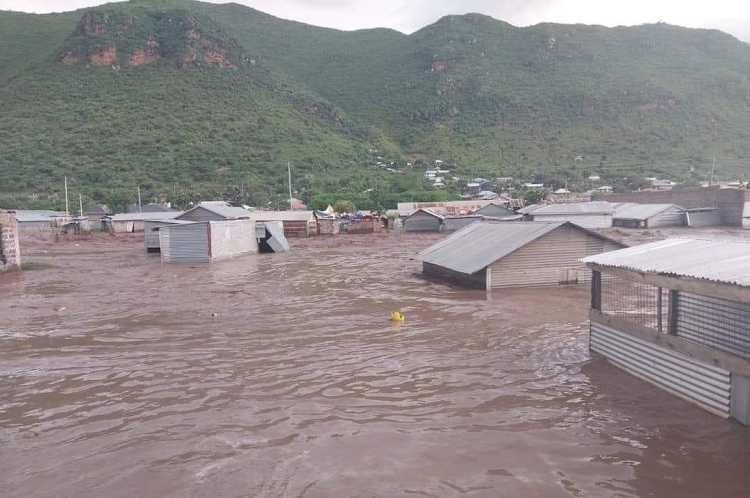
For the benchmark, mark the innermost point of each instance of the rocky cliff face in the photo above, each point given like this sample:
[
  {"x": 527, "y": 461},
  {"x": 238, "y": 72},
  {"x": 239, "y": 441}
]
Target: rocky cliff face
[{"x": 111, "y": 39}]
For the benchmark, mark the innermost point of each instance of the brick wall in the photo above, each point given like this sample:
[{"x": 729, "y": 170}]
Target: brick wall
[
  {"x": 730, "y": 201},
  {"x": 10, "y": 249}
]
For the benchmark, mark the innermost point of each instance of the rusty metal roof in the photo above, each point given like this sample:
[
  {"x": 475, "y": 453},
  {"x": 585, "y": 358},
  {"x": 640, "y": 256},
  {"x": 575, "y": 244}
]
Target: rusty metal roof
[{"x": 716, "y": 260}]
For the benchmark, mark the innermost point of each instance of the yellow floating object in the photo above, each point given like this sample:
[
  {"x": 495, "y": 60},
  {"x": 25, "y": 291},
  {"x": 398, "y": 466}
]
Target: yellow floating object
[{"x": 397, "y": 316}]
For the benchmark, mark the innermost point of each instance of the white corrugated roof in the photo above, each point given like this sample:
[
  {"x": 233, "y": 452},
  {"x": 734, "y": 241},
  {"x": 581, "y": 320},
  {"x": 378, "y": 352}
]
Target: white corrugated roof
[
  {"x": 641, "y": 211},
  {"x": 576, "y": 208},
  {"x": 479, "y": 244},
  {"x": 716, "y": 260}
]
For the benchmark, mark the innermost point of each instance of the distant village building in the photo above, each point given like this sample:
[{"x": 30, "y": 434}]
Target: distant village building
[
  {"x": 676, "y": 313},
  {"x": 96, "y": 212},
  {"x": 10, "y": 248},
  {"x": 604, "y": 189},
  {"x": 533, "y": 186},
  {"x": 585, "y": 214},
  {"x": 424, "y": 220},
  {"x": 214, "y": 211},
  {"x": 594, "y": 178},
  {"x": 500, "y": 255},
  {"x": 148, "y": 208},
  {"x": 40, "y": 220},
  {"x": 648, "y": 216},
  {"x": 563, "y": 192},
  {"x": 135, "y": 222},
  {"x": 495, "y": 210},
  {"x": 662, "y": 184},
  {"x": 473, "y": 187}
]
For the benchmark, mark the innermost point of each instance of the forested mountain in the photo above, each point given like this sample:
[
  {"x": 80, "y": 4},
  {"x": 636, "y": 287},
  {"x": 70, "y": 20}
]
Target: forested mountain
[{"x": 188, "y": 99}]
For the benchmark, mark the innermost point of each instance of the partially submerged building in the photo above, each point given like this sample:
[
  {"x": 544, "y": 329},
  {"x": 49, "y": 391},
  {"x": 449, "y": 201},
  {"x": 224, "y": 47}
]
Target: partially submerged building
[
  {"x": 135, "y": 222},
  {"x": 40, "y": 220},
  {"x": 424, "y": 220},
  {"x": 495, "y": 210},
  {"x": 501, "y": 255},
  {"x": 584, "y": 214},
  {"x": 207, "y": 241},
  {"x": 703, "y": 217},
  {"x": 296, "y": 223},
  {"x": 676, "y": 313},
  {"x": 648, "y": 216}
]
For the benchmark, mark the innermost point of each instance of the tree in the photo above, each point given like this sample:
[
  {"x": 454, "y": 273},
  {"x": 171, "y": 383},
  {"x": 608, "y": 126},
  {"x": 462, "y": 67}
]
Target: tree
[
  {"x": 343, "y": 206},
  {"x": 534, "y": 196}
]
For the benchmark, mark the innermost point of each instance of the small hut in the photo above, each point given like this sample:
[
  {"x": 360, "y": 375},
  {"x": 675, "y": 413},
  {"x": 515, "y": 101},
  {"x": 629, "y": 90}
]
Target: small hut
[
  {"x": 648, "y": 216},
  {"x": 529, "y": 254},
  {"x": 585, "y": 214},
  {"x": 207, "y": 241},
  {"x": 424, "y": 220},
  {"x": 703, "y": 217},
  {"x": 676, "y": 313}
]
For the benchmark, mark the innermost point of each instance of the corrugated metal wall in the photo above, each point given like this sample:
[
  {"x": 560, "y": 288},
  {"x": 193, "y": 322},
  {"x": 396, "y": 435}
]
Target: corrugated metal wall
[
  {"x": 233, "y": 238},
  {"x": 718, "y": 323},
  {"x": 692, "y": 380},
  {"x": 184, "y": 243},
  {"x": 704, "y": 218},
  {"x": 151, "y": 237},
  {"x": 672, "y": 217},
  {"x": 584, "y": 220},
  {"x": 201, "y": 214},
  {"x": 422, "y": 222},
  {"x": 543, "y": 261}
]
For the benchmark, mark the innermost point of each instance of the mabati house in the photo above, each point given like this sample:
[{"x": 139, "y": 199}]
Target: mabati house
[
  {"x": 500, "y": 255},
  {"x": 676, "y": 313},
  {"x": 585, "y": 214},
  {"x": 648, "y": 216}
]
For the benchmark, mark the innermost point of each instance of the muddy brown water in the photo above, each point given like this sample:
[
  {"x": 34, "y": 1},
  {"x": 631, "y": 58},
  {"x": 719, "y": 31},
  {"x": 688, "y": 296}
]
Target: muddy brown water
[{"x": 282, "y": 375}]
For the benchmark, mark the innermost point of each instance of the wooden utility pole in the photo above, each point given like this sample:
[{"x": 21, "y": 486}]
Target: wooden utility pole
[
  {"x": 713, "y": 169},
  {"x": 80, "y": 204},
  {"x": 289, "y": 168},
  {"x": 139, "y": 199},
  {"x": 67, "y": 207}
]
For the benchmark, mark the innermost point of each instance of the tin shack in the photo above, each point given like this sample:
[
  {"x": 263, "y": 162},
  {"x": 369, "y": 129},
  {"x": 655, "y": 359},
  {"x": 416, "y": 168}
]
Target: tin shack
[
  {"x": 501, "y": 255},
  {"x": 676, "y": 314}
]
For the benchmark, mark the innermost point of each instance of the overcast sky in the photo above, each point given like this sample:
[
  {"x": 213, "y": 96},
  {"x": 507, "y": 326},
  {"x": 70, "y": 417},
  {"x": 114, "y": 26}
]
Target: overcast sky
[{"x": 732, "y": 16}]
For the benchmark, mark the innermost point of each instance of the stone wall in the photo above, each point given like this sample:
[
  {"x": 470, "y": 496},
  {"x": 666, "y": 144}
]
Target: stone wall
[
  {"x": 10, "y": 249},
  {"x": 730, "y": 201}
]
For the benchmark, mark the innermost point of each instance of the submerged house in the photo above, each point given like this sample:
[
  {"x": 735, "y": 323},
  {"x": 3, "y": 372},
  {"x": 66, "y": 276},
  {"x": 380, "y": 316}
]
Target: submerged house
[
  {"x": 41, "y": 220},
  {"x": 703, "y": 217},
  {"x": 296, "y": 223},
  {"x": 501, "y": 255},
  {"x": 648, "y": 216},
  {"x": 585, "y": 214},
  {"x": 424, "y": 220},
  {"x": 214, "y": 211},
  {"x": 135, "y": 222},
  {"x": 676, "y": 313},
  {"x": 495, "y": 211},
  {"x": 207, "y": 241}
]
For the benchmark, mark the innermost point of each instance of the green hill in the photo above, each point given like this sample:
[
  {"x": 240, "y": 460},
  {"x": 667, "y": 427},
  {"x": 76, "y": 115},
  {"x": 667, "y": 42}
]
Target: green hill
[{"x": 192, "y": 100}]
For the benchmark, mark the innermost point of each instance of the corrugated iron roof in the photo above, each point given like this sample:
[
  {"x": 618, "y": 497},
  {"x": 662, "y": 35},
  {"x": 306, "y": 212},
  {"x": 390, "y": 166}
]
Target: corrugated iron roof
[
  {"x": 641, "y": 211},
  {"x": 479, "y": 244},
  {"x": 27, "y": 215},
  {"x": 717, "y": 260},
  {"x": 600, "y": 207},
  {"x": 223, "y": 210},
  {"x": 167, "y": 215},
  {"x": 430, "y": 211},
  {"x": 282, "y": 215}
]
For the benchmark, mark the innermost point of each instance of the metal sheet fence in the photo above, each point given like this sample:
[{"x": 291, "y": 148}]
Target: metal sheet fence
[
  {"x": 719, "y": 323},
  {"x": 635, "y": 302}
]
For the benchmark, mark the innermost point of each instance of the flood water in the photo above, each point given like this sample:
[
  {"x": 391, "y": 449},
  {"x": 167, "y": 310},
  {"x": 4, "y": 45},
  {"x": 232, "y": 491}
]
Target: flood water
[{"x": 281, "y": 375}]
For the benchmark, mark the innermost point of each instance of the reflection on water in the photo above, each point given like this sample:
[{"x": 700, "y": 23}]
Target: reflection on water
[{"x": 281, "y": 375}]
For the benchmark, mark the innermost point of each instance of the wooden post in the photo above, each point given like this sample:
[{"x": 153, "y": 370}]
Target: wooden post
[
  {"x": 673, "y": 298},
  {"x": 488, "y": 279},
  {"x": 658, "y": 310},
  {"x": 596, "y": 290}
]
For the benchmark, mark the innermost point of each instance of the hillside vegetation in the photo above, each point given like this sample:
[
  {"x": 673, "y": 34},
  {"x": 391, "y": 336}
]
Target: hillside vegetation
[{"x": 191, "y": 100}]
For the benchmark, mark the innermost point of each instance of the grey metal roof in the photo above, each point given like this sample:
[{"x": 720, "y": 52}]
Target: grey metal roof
[
  {"x": 717, "y": 260},
  {"x": 600, "y": 207},
  {"x": 529, "y": 208},
  {"x": 228, "y": 212},
  {"x": 479, "y": 244},
  {"x": 28, "y": 215},
  {"x": 168, "y": 215},
  {"x": 282, "y": 215},
  {"x": 641, "y": 211},
  {"x": 430, "y": 211}
]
